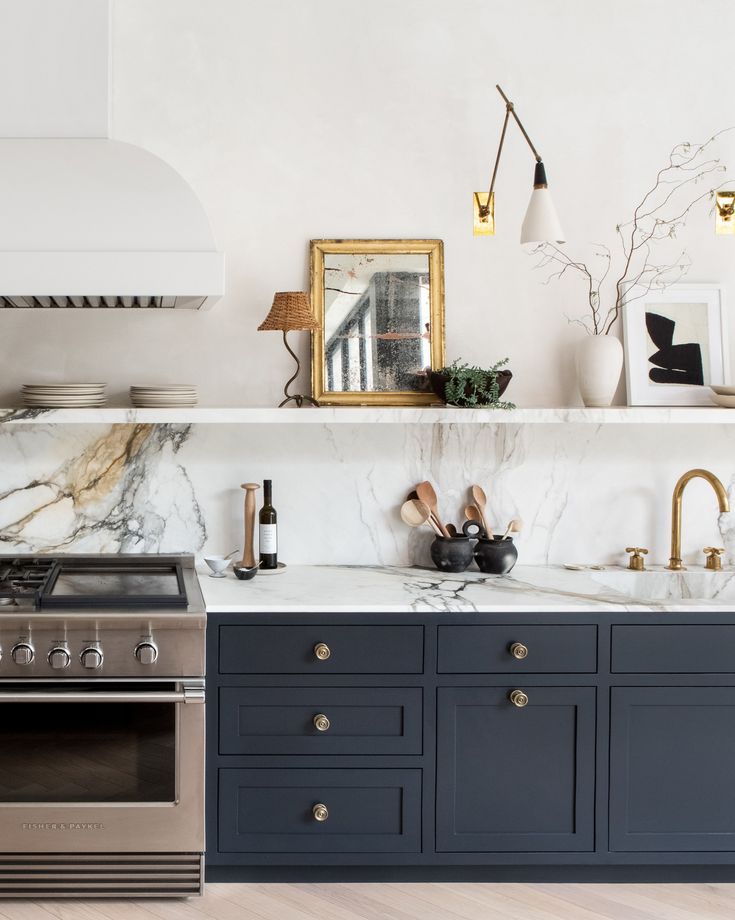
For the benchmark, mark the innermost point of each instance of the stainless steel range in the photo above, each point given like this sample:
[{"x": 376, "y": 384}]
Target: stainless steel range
[{"x": 101, "y": 726}]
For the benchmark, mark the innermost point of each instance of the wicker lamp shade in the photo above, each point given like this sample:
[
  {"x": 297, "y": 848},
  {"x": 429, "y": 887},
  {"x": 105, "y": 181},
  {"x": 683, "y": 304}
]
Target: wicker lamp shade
[{"x": 290, "y": 310}]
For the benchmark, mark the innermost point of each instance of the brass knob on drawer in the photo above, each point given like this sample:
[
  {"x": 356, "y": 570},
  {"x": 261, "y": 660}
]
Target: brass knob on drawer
[
  {"x": 322, "y": 651},
  {"x": 519, "y": 650},
  {"x": 321, "y": 722},
  {"x": 320, "y": 812},
  {"x": 518, "y": 698}
]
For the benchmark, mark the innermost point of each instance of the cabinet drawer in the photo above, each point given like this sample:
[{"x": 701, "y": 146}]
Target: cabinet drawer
[
  {"x": 673, "y": 649},
  {"x": 272, "y": 811},
  {"x": 346, "y": 649},
  {"x": 282, "y": 721},
  {"x": 488, "y": 649}
]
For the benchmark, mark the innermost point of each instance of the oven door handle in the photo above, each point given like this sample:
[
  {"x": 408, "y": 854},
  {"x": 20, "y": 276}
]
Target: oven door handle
[{"x": 187, "y": 695}]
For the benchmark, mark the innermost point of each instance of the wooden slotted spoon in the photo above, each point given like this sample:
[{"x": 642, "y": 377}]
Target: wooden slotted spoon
[{"x": 427, "y": 495}]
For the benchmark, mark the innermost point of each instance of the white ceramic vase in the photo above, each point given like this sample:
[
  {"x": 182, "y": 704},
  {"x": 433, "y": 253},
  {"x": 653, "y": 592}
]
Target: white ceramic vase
[{"x": 599, "y": 363}]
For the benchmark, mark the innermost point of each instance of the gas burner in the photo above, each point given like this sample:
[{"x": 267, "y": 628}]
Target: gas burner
[{"x": 23, "y": 580}]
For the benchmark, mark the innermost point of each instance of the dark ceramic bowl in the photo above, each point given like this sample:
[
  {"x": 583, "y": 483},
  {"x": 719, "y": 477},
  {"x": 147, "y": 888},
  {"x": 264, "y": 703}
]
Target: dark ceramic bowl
[
  {"x": 495, "y": 557},
  {"x": 452, "y": 554},
  {"x": 244, "y": 573},
  {"x": 439, "y": 383}
]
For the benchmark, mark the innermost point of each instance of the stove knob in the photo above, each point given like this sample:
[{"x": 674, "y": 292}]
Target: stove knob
[
  {"x": 59, "y": 658},
  {"x": 22, "y": 653},
  {"x": 91, "y": 658},
  {"x": 146, "y": 652}
]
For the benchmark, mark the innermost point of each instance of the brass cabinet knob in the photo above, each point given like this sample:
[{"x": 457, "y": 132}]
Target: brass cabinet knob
[
  {"x": 714, "y": 560},
  {"x": 321, "y": 722},
  {"x": 322, "y": 651},
  {"x": 636, "y": 561},
  {"x": 320, "y": 812},
  {"x": 518, "y": 698},
  {"x": 519, "y": 650}
]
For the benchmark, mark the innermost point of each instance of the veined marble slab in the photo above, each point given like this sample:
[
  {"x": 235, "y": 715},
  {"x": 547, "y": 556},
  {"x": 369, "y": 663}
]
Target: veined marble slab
[
  {"x": 528, "y": 589},
  {"x": 584, "y": 492}
]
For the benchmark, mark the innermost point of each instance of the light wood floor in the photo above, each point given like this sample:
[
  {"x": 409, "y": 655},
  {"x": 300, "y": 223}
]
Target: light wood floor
[{"x": 445, "y": 901}]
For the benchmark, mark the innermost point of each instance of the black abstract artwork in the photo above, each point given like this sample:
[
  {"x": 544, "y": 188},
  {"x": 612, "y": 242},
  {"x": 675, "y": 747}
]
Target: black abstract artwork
[{"x": 674, "y": 363}]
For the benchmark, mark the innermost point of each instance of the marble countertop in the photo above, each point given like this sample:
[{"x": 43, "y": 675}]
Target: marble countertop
[{"x": 529, "y": 589}]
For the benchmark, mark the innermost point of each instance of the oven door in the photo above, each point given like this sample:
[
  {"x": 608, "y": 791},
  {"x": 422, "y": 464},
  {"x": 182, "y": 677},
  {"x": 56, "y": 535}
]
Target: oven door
[{"x": 94, "y": 767}]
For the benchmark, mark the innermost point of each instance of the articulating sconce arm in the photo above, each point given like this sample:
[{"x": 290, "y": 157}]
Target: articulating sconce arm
[{"x": 540, "y": 177}]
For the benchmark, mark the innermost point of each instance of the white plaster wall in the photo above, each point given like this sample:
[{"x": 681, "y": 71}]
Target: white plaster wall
[{"x": 296, "y": 119}]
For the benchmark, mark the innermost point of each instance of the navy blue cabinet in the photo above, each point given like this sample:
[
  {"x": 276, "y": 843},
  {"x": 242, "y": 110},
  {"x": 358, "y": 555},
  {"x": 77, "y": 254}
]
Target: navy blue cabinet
[
  {"x": 320, "y": 721},
  {"x": 321, "y": 649},
  {"x": 672, "y": 769},
  {"x": 319, "y": 811},
  {"x": 515, "y": 778},
  {"x": 390, "y": 743}
]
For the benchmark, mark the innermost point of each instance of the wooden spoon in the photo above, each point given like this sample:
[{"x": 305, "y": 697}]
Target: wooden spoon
[
  {"x": 472, "y": 513},
  {"x": 413, "y": 495},
  {"x": 480, "y": 500},
  {"x": 513, "y": 527},
  {"x": 451, "y": 530},
  {"x": 427, "y": 495},
  {"x": 415, "y": 513}
]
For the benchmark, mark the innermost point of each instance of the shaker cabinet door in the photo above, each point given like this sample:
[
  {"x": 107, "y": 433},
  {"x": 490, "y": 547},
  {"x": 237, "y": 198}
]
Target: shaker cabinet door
[
  {"x": 515, "y": 779},
  {"x": 672, "y": 769}
]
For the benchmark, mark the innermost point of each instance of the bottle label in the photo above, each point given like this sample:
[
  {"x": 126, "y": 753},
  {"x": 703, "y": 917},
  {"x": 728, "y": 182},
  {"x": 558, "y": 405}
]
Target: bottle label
[{"x": 268, "y": 538}]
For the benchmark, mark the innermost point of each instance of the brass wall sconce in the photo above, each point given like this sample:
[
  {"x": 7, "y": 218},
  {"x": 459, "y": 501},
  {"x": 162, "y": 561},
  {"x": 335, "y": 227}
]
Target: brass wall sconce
[
  {"x": 541, "y": 223},
  {"x": 725, "y": 213}
]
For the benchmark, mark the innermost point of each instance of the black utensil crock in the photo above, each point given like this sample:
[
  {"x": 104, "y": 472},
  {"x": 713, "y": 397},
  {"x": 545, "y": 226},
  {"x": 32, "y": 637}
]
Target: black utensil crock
[
  {"x": 497, "y": 556},
  {"x": 451, "y": 554}
]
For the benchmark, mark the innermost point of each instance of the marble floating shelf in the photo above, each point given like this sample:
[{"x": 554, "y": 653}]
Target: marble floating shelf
[{"x": 330, "y": 415}]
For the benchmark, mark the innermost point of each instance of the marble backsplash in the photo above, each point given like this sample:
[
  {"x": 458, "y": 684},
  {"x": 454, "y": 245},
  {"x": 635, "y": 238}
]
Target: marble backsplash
[{"x": 583, "y": 491}]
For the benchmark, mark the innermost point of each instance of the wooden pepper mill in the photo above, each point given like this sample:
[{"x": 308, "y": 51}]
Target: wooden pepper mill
[{"x": 248, "y": 553}]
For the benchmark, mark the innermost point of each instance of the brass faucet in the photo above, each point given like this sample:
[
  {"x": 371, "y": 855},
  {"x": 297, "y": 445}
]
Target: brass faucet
[{"x": 675, "y": 563}]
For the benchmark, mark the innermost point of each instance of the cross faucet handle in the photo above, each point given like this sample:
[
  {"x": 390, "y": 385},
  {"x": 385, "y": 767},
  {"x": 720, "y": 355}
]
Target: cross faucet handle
[
  {"x": 636, "y": 561},
  {"x": 714, "y": 560}
]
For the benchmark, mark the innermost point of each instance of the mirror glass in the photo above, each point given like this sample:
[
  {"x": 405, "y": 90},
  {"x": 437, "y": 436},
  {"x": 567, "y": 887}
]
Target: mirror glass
[{"x": 377, "y": 322}]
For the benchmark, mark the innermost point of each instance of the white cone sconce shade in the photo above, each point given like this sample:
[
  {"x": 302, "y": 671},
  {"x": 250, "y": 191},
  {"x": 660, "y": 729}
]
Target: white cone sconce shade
[{"x": 541, "y": 223}]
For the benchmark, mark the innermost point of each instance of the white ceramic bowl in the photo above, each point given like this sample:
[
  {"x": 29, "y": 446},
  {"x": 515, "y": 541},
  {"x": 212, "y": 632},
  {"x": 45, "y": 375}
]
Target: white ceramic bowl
[
  {"x": 723, "y": 391},
  {"x": 217, "y": 564},
  {"x": 727, "y": 402}
]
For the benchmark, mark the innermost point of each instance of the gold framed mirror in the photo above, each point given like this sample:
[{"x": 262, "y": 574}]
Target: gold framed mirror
[{"x": 379, "y": 306}]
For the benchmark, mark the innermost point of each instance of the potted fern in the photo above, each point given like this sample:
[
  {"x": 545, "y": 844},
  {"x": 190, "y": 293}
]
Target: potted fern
[{"x": 472, "y": 387}]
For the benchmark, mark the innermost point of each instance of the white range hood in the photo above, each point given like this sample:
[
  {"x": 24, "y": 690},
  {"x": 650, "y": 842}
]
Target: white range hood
[{"x": 91, "y": 222}]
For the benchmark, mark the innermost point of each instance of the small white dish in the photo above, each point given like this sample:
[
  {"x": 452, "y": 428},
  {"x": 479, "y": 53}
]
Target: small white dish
[
  {"x": 218, "y": 565},
  {"x": 727, "y": 402},
  {"x": 723, "y": 391}
]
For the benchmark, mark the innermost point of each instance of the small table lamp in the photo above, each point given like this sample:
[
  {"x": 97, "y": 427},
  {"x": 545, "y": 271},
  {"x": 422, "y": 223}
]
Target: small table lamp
[{"x": 291, "y": 310}]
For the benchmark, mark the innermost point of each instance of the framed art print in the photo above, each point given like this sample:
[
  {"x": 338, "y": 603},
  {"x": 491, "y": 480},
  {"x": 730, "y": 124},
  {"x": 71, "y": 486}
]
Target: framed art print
[{"x": 675, "y": 344}]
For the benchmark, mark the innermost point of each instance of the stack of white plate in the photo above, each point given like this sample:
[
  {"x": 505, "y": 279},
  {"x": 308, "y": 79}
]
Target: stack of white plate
[
  {"x": 724, "y": 396},
  {"x": 173, "y": 396},
  {"x": 64, "y": 395}
]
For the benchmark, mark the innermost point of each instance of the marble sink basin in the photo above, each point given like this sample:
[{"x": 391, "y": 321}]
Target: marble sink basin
[{"x": 659, "y": 584}]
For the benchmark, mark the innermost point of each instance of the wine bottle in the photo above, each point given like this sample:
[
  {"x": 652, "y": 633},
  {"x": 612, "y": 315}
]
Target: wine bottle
[{"x": 268, "y": 529}]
